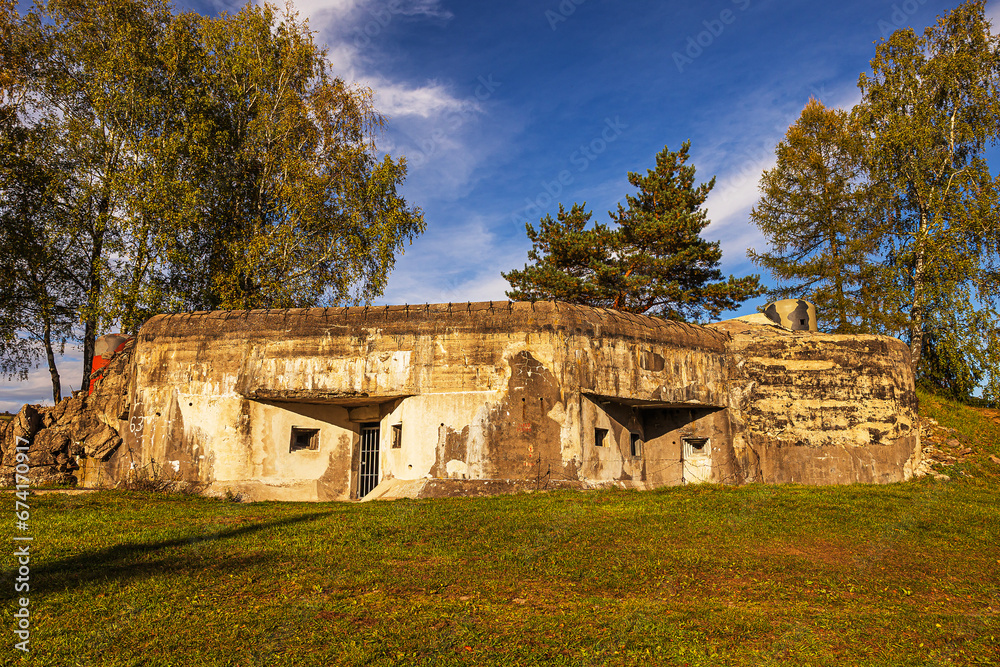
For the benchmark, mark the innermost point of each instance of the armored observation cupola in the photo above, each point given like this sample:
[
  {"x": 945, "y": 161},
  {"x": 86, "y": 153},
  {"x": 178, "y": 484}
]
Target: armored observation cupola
[{"x": 794, "y": 314}]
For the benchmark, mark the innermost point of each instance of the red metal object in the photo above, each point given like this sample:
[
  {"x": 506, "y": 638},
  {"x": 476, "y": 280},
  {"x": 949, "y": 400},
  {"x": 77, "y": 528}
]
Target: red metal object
[{"x": 106, "y": 347}]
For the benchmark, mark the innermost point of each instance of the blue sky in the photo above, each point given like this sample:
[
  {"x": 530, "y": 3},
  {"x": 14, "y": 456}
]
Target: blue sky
[{"x": 505, "y": 109}]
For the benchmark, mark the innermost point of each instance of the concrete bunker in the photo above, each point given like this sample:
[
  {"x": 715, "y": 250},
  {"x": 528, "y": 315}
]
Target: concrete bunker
[
  {"x": 350, "y": 403},
  {"x": 344, "y": 403},
  {"x": 483, "y": 398}
]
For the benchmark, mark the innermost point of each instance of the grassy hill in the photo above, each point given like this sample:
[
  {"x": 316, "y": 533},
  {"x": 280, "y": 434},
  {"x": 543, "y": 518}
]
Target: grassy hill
[{"x": 904, "y": 574}]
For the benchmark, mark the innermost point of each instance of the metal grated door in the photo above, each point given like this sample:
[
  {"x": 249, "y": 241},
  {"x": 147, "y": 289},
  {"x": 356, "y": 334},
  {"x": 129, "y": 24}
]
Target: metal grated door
[{"x": 368, "y": 465}]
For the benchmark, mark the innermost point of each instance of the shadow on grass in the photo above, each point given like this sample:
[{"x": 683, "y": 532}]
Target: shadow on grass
[{"x": 126, "y": 562}]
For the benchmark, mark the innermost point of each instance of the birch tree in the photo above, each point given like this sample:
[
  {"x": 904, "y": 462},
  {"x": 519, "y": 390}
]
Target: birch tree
[
  {"x": 930, "y": 108},
  {"x": 206, "y": 163}
]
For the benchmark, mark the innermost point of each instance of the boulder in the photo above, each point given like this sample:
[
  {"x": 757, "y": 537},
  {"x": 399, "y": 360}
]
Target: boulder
[
  {"x": 47, "y": 446},
  {"x": 81, "y": 426},
  {"x": 101, "y": 443},
  {"x": 19, "y": 430},
  {"x": 51, "y": 477}
]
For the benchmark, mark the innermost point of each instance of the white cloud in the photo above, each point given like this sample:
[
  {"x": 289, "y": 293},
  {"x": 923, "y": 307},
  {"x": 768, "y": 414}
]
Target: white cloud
[
  {"x": 432, "y": 99},
  {"x": 330, "y": 8},
  {"x": 348, "y": 27},
  {"x": 744, "y": 149},
  {"x": 342, "y": 58},
  {"x": 738, "y": 191},
  {"x": 433, "y": 125}
]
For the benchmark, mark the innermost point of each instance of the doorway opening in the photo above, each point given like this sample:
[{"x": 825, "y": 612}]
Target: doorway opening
[{"x": 368, "y": 460}]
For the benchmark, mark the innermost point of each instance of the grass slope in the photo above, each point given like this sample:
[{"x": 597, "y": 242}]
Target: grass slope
[{"x": 904, "y": 574}]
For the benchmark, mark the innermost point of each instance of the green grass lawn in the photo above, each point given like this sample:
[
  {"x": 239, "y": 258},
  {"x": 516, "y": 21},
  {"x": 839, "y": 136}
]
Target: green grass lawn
[{"x": 904, "y": 574}]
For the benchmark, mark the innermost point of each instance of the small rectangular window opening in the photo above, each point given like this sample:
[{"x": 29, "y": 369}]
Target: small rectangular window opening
[
  {"x": 636, "y": 445},
  {"x": 304, "y": 438},
  {"x": 397, "y": 436},
  {"x": 600, "y": 434}
]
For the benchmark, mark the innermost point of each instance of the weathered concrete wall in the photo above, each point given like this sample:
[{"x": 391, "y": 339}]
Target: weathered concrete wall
[
  {"x": 821, "y": 408},
  {"x": 474, "y": 399},
  {"x": 478, "y": 391}
]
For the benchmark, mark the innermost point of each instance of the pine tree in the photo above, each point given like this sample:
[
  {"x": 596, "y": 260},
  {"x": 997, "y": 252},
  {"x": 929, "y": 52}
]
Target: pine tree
[
  {"x": 566, "y": 256},
  {"x": 650, "y": 259}
]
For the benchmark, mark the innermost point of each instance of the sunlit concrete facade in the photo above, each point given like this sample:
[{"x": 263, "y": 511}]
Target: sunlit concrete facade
[{"x": 474, "y": 398}]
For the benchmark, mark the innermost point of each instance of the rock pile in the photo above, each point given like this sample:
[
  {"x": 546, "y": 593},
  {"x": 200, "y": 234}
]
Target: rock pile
[
  {"x": 940, "y": 447},
  {"x": 63, "y": 436}
]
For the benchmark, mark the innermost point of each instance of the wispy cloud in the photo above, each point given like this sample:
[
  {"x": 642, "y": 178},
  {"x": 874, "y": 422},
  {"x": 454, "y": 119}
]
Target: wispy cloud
[
  {"x": 348, "y": 27},
  {"x": 453, "y": 267},
  {"x": 425, "y": 101},
  {"x": 348, "y": 16},
  {"x": 438, "y": 126},
  {"x": 37, "y": 389},
  {"x": 748, "y": 135}
]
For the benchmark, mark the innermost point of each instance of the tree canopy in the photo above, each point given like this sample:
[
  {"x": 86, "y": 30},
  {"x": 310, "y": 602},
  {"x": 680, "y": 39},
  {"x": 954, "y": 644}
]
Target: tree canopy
[
  {"x": 651, "y": 258},
  {"x": 921, "y": 244},
  {"x": 205, "y": 163},
  {"x": 39, "y": 297},
  {"x": 810, "y": 205}
]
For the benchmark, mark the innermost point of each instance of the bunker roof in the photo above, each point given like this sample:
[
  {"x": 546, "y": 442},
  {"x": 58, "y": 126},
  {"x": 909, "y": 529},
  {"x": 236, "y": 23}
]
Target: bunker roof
[{"x": 438, "y": 318}]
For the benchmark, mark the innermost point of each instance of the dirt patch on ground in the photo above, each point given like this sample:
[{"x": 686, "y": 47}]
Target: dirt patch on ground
[
  {"x": 990, "y": 413},
  {"x": 821, "y": 551}
]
